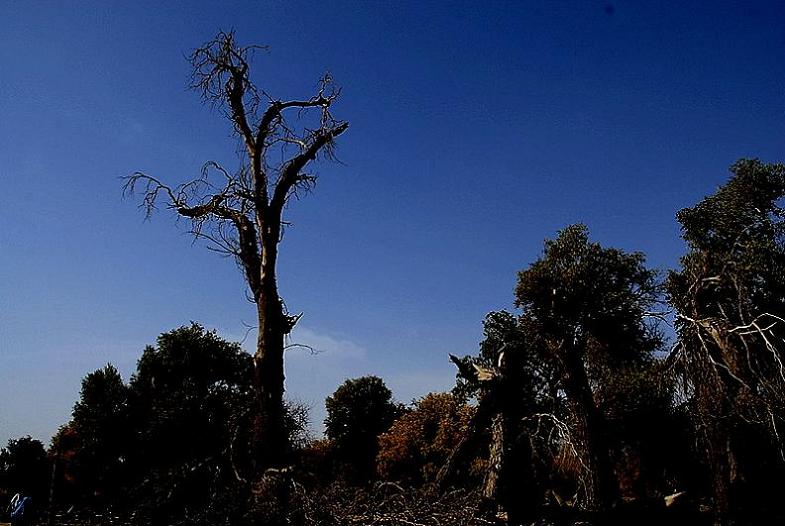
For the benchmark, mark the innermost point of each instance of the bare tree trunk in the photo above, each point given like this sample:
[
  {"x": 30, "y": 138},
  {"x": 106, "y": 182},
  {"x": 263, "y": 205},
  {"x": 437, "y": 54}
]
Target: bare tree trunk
[
  {"x": 601, "y": 487},
  {"x": 270, "y": 433},
  {"x": 271, "y": 444},
  {"x": 509, "y": 478},
  {"x": 496, "y": 458},
  {"x": 244, "y": 217},
  {"x": 718, "y": 453},
  {"x": 272, "y": 499},
  {"x": 50, "y": 513}
]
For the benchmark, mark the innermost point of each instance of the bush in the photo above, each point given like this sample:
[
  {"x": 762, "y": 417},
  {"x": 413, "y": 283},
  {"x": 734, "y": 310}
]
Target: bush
[{"x": 419, "y": 442}]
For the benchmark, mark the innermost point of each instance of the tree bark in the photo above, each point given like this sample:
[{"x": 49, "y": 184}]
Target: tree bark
[
  {"x": 270, "y": 433},
  {"x": 496, "y": 457},
  {"x": 271, "y": 442},
  {"x": 509, "y": 479},
  {"x": 601, "y": 486},
  {"x": 718, "y": 452}
]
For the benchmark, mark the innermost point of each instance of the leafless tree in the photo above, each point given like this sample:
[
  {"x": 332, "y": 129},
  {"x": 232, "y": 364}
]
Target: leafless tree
[{"x": 241, "y": 213}]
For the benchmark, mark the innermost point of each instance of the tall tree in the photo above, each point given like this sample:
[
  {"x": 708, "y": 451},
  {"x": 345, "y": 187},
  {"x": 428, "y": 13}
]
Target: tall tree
[
  {"x": 729, "y": 296},
  {"x": 243, "y": 215},
  {"x": 584, "y": 306}
]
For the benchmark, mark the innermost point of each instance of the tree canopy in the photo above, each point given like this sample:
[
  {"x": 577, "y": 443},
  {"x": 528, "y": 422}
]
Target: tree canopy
[
  {"x": 729, "y": 297},
  {"x": 358, "y": 412}
]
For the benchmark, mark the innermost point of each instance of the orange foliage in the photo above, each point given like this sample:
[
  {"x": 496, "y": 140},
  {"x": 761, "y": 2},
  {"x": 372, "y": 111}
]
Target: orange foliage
[{"x": 419, "y": 442}]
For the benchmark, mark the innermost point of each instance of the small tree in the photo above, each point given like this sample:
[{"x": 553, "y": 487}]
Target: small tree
[
  {"x": 25, "y": 469},
  {"x": 357, "y": 413},
  {"x": 419, "y": 442},
  {"x": 242, "y": 215},
  {"x": 189, "y": 398},
  {"x": 101, "y": 429}
]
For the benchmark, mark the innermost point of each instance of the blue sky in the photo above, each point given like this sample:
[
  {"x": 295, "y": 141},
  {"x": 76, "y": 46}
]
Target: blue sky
[{"x": 478, "y": 129}]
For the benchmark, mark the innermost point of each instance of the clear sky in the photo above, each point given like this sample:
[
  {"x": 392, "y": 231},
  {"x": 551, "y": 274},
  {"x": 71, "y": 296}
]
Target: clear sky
[{"x": 478, "y": 129}]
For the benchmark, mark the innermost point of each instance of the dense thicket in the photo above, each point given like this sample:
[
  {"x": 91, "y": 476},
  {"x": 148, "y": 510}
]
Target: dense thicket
[
  {"x": 172, "y": 444},
  {"x": 729, "y": 297},
  {"x": 418, "y": 443},
  {"x": 573, "y": 409}
]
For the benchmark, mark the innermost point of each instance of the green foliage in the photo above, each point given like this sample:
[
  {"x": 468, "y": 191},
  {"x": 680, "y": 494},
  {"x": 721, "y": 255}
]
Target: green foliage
[
  {"x": 584, "y": 306},
  {"x": 746, "y": 210},
  {"x": 185, "y": 398},
  {"x": 570, "y": 370},
  {"x": 573, "y": 379},
  {"x": 729, "y": 296},
  {"x": 736, "y": 259},
  {"x": 357, "y": 413},
  {"x": 732, "y": 276},
  {"x": 175, "y": 442},
  {"x": 591, "y": 298},
  {"x": 102, "y": 404},
  {"x": 735, "y": 264}
]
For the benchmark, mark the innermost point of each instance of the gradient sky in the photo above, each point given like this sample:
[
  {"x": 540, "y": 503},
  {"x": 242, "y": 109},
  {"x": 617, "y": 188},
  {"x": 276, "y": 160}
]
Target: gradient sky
[{"x": 478, "y": 129}]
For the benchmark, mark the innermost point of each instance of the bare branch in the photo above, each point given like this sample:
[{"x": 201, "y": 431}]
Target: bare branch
[
  {"x": 291, "y": 174},
  {"x": 308, "y": 348},
  {"x": 233, "y": 213},
  {"x": 220, "y": 74},
  {"x": 273, "y": 114},
  {"x": 152, "y": 189}
]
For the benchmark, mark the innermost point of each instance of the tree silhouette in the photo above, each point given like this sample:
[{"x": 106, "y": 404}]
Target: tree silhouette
[
  {"x": 507, "y": 379},
  {"x": 187, "y": 405},
  {"x": 358, "y": 412},
  {"x": 242, "y": 215},
  {"x": 729, "y": 296},
  {"x": 100, "y": 423},
  {"x": 25, "y": 469},
  {"x": 585, "y": 307}
]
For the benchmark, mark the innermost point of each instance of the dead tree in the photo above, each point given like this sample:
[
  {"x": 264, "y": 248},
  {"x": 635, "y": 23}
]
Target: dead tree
[
  {"x": 243, "y": 213},
  {"x": 509, "y": 478}
]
